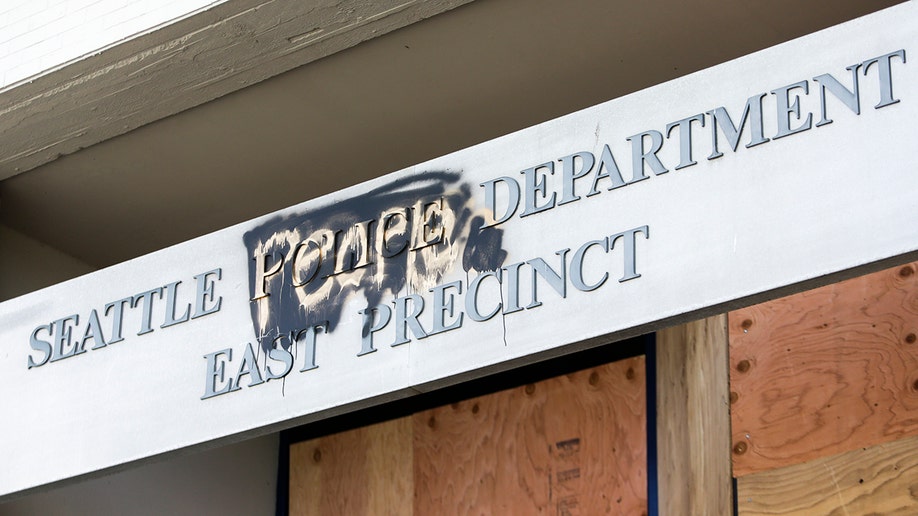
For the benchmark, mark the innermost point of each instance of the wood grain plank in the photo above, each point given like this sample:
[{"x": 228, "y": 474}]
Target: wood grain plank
[
  {"x": 390, "y": 461},
  {"x": 825, "y": 371},
  {"x": 575, "y": 444},
  {"x": 693, "y": 422},
  {"x": 881, "y": 479},
  {"x": 365, "y": 471},
  {"x": 305, "y": 482}
]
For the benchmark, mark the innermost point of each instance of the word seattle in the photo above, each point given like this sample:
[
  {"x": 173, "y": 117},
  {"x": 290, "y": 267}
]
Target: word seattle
[{"x": 67, "y": 337}]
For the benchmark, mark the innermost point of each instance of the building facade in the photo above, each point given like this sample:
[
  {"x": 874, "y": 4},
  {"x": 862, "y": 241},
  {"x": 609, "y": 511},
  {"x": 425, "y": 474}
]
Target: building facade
[{"x": 197, "y": 183}]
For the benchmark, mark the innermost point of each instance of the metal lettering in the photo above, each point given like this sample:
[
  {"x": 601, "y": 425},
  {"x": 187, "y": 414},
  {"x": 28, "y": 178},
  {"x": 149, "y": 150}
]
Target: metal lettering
[
  {"x": 146, "y": 318},
  {"x": 513, "y": 288},
  {"x": 249, "y": 366},
  {"x": 569, "y": 174},
  {"x": 383, "y": 236},
  {"x": 720, "y": 118},
  {"x": 535, "y": 185},
  {"x": 576, "y": 267},
  {"x": 884, "y": 67},
  {"x": 353, "y": 252},
  {"x": 471, "y": 298},
  {"x": 630, "y": 256},
  {"x": 405, "y": 319},
  {"x": 117, "y": 317},
  {"x": 443, "y": 303},
  {"x": 786, "y": 108},
  {"x": 215, "y": 374},
  {"x": 170, "y": 319},
  {"x": 685, "y": 138},
  {"x": 428, "y": 224},
  {"x": 94, "y": 332},
  {"x": 63, "y": 338},
  {"x": 278, "y": 354},
  {"x": 205, "y": 293},
  {"x": 39, "y": 345},
  {"x": 850, "y": 98},
  {"x": 315, "y": 263},
  {"x": 607, "y": 162},
  {"x": 639, "y": 156},
  {"x": 309, "y": 348},
  {"x": 262, "y": 274},
  {"x": 558, "y": 282},
  {"x": 513, "y": 199},
  {"x": 369, "y": 328}
]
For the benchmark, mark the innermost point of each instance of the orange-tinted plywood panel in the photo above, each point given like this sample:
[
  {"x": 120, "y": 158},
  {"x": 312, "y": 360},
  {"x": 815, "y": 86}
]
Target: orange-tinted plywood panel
[
  {"x": 366, "y": 471},
  {"x": 575, "y": 444},
  {"x": 882, "y": 479},
  {"x": 825, "y": 371}
]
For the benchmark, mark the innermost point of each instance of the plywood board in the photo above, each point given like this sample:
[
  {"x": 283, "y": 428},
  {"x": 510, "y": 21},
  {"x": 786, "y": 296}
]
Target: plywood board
[
  {"x": 362, "y": 471},
  {"x": 575, "y": 444},
  {"x": 825, "y": 371},
  {"x": 881, "y": 479}
]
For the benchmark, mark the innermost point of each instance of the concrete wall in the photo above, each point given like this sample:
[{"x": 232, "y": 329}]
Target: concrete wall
[
  {"x": 27, "y": 264},
  {"x": 235, "y": 479}
]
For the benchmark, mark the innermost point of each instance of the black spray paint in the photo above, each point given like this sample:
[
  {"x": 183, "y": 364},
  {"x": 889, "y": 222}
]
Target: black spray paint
[{"x": 288, "y": 308}]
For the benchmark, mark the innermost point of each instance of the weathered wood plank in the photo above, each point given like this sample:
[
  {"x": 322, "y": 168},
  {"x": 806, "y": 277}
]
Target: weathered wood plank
[
  {"x": 825, "y": 371},
  {"x": 575, "y": 444},
  {"x": 693, "y": 422},
  {"x": 881, "y": 479},
  {"x": 365, "y": 471}
]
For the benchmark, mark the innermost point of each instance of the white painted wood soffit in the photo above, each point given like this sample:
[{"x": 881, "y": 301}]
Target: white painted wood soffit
[{"x": 177, "y": 66}]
